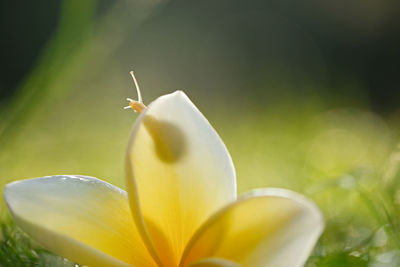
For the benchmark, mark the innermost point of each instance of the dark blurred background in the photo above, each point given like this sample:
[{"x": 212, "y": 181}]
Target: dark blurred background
[{"x": 331, "y": 43}]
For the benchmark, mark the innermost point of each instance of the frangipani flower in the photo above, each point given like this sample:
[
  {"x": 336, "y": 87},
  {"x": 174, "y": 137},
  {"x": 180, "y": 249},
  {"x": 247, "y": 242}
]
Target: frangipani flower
[{"x": 180, "y": 208}]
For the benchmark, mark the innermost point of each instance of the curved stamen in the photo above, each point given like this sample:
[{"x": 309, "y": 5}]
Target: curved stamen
[
  {"x": 137, "y": 88},
  {"x": 138, "y": 105}
]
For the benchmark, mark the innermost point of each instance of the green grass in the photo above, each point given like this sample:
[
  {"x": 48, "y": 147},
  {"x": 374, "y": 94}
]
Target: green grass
[{"x": 18, "y": 250}]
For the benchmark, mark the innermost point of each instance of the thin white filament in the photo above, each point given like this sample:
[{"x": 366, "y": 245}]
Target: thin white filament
[{"x": 137, "y": 87}]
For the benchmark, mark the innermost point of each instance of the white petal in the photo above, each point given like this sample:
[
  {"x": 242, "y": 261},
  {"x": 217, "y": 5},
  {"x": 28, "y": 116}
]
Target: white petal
[
  {"x": 81, "y": 218},
  {"x": 266, "y": 227},
  {"x": 178, "y": 173}
]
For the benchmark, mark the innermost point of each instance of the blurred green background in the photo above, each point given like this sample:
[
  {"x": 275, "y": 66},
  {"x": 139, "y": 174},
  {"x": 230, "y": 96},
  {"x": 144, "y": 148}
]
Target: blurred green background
[{"x": 304, "y": 94}]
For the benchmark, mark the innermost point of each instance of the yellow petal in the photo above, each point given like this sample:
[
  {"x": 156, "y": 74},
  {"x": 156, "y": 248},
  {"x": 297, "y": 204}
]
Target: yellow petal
[
  {"x": 267, "y": 227},
  {"x": 178, "y": 173},
  {"x": 81, "y": 218}
]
